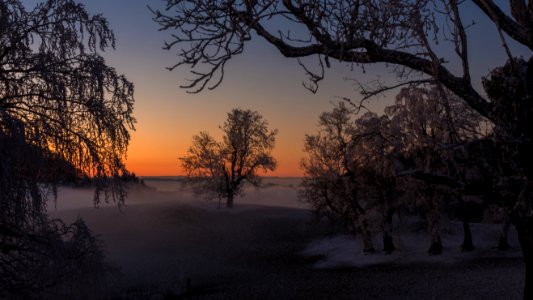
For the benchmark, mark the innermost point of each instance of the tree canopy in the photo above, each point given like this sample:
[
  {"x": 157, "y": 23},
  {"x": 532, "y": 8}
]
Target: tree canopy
[
  {"x": 57, "y": 94},
  {"x": 61, "y": 107},
  {"x": 220, "y": 168},
  {"x": 405, "y": 34}
]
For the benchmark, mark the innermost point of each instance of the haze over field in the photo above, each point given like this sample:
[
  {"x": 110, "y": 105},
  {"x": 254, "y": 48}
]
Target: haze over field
[{"x": 268, "y": 247}]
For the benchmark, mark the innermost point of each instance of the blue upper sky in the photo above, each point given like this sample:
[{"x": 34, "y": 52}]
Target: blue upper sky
[{"x": 260, "y": 79}]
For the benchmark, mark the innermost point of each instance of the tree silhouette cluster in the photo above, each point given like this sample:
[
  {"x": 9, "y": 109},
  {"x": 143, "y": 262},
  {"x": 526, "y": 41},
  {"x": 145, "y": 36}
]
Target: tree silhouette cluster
[
  {"x": 413, "y": 38},
  {"x": 63, "y": 112},
  {"x": 360, "y": 167}
]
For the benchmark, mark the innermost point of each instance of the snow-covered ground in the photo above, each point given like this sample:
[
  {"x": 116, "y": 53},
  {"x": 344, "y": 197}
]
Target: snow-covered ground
[
  {"x": 338, "y": 250},
  {"x": 267, "y": 247}
]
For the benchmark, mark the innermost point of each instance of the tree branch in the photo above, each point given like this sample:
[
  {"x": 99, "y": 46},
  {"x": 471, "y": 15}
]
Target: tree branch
[{"x": 513, "y": 29}]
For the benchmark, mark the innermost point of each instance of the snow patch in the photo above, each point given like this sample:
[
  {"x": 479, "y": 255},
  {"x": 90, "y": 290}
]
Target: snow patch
[{"x": 341, "y": 251}]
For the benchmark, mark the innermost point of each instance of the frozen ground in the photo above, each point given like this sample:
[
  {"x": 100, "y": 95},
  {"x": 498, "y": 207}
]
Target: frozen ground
[
  {"x": 167, "y": 240},
  {"x": 411, "y": 241}
]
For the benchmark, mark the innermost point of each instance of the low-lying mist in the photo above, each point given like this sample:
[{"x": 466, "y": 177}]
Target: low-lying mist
[{"x": 169, "y": 240}]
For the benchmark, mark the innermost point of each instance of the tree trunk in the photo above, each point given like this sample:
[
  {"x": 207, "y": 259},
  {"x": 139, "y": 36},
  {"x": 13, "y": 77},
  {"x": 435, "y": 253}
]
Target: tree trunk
[
  {"x": 502, "y": 243},
  {"x": 524, "y": 227},
  {"x": 366, "y": 236},
  {"x": 436, "y": 245},
  {"x": 229, "y": 201},
  {"x": 467, "y": 245},
  {"x": 433, "y": 218},
  {"x": 388, "y": 244}
]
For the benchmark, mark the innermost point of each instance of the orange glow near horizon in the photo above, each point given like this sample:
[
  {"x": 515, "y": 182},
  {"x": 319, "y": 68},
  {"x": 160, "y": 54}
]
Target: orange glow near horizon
[
  {"x": 164, "y": 169},
  {"x": 168, "y": 117},
  {"x": 165, "y": 134},
  {"x": 148, "y": 159}
]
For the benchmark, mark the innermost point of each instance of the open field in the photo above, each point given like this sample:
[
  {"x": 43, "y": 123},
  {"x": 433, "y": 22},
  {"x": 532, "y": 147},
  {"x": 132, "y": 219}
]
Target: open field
[{"x": 166, "y": 241}]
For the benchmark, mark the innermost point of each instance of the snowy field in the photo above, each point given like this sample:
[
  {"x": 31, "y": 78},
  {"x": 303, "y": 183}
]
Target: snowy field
[{"x": 169, "y": 241}]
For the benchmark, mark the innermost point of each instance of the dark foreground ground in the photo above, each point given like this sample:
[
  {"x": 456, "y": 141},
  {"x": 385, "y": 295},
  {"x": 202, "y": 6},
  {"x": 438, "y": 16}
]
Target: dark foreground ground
[
  {"x": 262, "y": 259},
  {"x": 277, "y": 271},
  {"x": 181, "y": 251},
  {"x": 496, "y": 279}
]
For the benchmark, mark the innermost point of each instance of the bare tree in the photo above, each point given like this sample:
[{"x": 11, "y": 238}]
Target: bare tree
[
  {"x": 57, "y": 93},
  {"x": 343, "y": 170},
  {"x": 60, "y": 104},
  {"x": 428, "y": 125},
  {"x": 406, "y": 35},
  {"x": 55, "y": 261},
  {"x": 351, "y": 164},
  {"x": 220, "y": 168}
]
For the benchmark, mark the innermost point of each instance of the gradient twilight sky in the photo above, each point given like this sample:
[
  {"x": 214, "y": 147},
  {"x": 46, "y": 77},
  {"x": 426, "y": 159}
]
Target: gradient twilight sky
[{"x": 260, "y": 79}]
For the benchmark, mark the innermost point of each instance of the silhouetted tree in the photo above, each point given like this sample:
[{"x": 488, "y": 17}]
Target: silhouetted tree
[
  {"x": 406, "y": 35},
  {"x": 61, "y": 107},
  {"x": 345, "y": 171},
  {"x": 218, "y": 169},
  {"x": 428, "y": 125},
  {"x": 351, "y": 163}
]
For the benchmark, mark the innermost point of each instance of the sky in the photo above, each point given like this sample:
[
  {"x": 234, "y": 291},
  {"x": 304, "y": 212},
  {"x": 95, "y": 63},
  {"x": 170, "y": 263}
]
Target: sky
[{"x": 260, "y": 79}]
